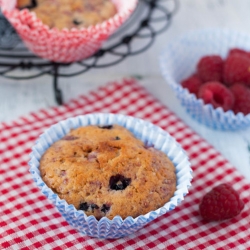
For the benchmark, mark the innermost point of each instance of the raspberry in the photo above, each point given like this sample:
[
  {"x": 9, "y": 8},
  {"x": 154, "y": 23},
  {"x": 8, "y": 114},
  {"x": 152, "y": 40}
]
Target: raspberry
[
  {"x": 237, "y": 69},
  {"x": 217, "y": 94},
  {"x": 192, "y": 83},
  {"x": 221, "y": 203},
  {"x": 242, "y": 98},
  {"x": 237, "y": 51},
  {"x": 210, "y": 68}
]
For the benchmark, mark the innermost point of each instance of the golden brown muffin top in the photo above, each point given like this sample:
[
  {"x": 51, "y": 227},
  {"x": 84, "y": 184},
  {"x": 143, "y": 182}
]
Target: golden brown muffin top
[{"x": 106, "y": 171}]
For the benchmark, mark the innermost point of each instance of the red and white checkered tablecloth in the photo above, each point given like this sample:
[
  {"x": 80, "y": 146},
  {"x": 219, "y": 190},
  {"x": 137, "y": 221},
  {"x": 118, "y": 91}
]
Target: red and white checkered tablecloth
[{"x": 29, "y": 221}]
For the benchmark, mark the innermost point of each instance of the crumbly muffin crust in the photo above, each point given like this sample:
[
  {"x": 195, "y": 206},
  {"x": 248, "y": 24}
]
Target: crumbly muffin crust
[
  {"x": 70, "y": 13},
  {"x": 106, "y": 171}
]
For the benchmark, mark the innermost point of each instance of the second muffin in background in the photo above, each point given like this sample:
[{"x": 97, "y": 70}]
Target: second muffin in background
[
  {"x": 70, "y": 14},
  {"x": 65, "y": 44}
]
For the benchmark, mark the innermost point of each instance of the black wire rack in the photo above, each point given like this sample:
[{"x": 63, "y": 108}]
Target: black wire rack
[{"x": 150, "y": 18}]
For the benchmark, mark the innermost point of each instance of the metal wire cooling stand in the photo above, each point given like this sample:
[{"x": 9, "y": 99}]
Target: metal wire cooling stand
[{"x": 148, "y": 20}]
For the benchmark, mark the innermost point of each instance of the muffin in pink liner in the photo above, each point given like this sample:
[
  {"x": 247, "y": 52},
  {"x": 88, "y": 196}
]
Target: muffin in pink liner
[{"x": 64, "y": 45}]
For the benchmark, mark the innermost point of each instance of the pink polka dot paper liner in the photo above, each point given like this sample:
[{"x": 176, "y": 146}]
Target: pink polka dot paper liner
[{"x": 66, "y": 45}]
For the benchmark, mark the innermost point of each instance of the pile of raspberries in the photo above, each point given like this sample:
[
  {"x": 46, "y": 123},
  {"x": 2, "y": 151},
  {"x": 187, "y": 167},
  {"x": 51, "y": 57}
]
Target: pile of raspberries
[{"x": 223, "y": 83}]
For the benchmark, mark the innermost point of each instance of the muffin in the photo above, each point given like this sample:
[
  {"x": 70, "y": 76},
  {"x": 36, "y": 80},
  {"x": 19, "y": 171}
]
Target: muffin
[
  {"x": 106, "y": 171},
  {"x": 73, "y": 36},
  {"x": 70, "y": 14},
  {"x": 141, "y": 165}
]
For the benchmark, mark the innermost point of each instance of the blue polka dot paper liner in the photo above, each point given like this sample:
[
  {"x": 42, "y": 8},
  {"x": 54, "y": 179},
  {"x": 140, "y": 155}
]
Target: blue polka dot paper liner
[
  {"x": 145, "y": 131},
  {"x": 178, "y": 61}
]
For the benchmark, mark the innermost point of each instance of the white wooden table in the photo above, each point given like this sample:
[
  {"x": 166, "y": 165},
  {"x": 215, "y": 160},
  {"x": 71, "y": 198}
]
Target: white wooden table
[{"x": 20, "y": 97}]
